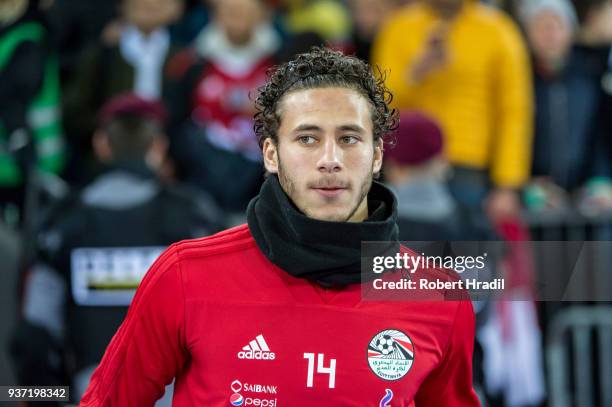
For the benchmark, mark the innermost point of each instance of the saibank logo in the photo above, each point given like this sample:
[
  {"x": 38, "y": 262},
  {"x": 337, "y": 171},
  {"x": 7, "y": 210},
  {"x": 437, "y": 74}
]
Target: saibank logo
[
  {"x": 236, "y": 386},
  {"x": 236, "y": 399},
  {"x": 257, "y": 349}
]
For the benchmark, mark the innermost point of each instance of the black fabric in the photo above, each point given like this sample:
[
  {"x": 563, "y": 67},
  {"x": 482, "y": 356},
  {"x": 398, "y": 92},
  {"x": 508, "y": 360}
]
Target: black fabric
[
  {"x": 171, "y": 214},
  {"x": 362, "y": 46},
  {"x": 22, "y": 76},
  {"x": 201, "y": 164},
  {"x": 36, "y": 356},
  {"x": 20, "y": 81},
  {"x": 326, "y": 253},
  {"x": 566, "y": 110},
  {"x": 135, "y": 167}
]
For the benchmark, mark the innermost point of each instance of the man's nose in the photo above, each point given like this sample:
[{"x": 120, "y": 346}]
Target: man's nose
[{"x": 330, "y": 160}]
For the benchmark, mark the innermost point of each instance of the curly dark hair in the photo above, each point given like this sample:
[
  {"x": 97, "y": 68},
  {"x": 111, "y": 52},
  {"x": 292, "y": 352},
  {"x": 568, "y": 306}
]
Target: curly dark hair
[{"x": 322, "y": 68}]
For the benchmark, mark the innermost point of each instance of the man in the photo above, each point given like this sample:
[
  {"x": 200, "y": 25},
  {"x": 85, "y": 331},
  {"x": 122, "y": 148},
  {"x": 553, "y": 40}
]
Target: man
[
  {"x": 270, "y": 313},
  {"x": 30, "y": 123},
  {"x": 96, "y": 245},
  {"x": 594, "y": 40},
  {"x": 137, "y": 58},
  {"x": 232, "y": 54},
  {"x": 465, "y": 64},
  {"x": 417, "y": 169},
  {"x": 566, "y": 87}
]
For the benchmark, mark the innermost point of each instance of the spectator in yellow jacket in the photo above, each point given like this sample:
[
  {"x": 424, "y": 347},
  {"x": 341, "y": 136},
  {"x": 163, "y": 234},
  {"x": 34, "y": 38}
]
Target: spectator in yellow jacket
[{"x": 466, "y": 65}]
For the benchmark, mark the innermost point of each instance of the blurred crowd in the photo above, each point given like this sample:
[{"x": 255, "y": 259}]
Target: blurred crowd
[
  {"x": 522, "y": 97},
  {"x": 127, "y": 124}
]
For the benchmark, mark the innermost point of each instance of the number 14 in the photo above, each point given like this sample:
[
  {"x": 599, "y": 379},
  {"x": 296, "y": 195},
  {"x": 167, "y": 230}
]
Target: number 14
[{"x": 331, "y": 370}]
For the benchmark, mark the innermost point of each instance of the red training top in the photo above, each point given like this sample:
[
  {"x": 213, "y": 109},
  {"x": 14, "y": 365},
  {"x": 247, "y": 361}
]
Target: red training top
[{"x": 235, "y": 330}]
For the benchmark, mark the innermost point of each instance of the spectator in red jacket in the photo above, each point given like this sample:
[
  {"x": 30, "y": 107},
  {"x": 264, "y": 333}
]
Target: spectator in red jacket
[{"x": 230, "y": 58}]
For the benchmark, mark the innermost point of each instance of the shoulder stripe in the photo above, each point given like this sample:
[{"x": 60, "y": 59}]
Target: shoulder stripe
[{"x": 234, "y": 239}]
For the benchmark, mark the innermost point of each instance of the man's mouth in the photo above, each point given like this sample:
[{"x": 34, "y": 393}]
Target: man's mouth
[{"x": 330, "y": 192}]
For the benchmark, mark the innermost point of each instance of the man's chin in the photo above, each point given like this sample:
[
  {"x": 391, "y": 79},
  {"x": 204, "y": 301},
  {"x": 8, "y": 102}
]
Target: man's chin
[{"x": 327, "y": 216}]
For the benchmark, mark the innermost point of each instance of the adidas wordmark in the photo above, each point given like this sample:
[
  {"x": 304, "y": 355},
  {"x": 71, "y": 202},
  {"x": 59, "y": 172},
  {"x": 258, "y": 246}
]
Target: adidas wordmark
[{"x": 257, "y": 349}]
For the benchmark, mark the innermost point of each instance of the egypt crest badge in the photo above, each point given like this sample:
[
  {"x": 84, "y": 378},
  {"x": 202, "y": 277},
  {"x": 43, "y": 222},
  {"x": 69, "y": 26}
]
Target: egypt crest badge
[{"x": 390, "y": 354}]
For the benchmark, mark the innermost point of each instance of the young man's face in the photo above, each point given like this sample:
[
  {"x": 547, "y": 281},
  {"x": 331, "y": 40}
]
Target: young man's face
[{"x": 325, "y": 157}]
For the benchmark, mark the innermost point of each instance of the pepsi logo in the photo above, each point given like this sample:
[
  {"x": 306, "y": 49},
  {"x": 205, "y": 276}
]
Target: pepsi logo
[{"x": 236, "y": 399}]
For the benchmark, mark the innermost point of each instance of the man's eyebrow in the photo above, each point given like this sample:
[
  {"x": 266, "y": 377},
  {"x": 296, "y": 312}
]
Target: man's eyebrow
[
  {"x": 308, "y": 127},
  {"x": 345, "y": 127},
  {"x": 352, "y": 127}
]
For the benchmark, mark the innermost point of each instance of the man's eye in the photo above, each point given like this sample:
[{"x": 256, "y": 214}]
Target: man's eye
[
  {"x": 307, "y": 139},
  {"x": 349, "y": 139}
]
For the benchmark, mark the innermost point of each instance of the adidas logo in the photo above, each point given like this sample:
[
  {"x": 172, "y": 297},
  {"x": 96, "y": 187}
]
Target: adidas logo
[{"x": 257, "y": 349}]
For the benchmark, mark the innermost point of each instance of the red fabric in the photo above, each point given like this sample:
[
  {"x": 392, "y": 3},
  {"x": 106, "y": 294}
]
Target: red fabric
[
  {"x": 222, "y": 102},
  {"x": 179, "y": 64},
  {"x": 518, "y": 261},
  {"x": 519, "y": 271},
  {"x": 204, "y": 300},
  {"x": 131, "y": 103}
]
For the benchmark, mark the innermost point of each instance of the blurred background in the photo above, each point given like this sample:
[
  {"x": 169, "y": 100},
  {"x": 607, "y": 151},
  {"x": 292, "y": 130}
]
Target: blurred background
[{"x": 126, "y": 125}]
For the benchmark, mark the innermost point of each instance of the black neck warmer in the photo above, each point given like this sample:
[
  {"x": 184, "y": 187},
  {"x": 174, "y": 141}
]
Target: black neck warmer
[{"x": 326, "y": 253}]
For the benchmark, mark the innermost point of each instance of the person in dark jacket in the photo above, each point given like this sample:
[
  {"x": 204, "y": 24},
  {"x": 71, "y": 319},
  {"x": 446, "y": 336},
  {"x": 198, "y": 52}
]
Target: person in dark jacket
[
  {"x": 31, "y": 135},
  {"x": 96, "y": 245},
  {"x": 137, "y": 60},
  {"x": 567, "y": 92},
  {"x": 595, "y": 40}
]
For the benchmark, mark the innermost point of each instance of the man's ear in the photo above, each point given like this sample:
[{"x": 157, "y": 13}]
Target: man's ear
[
  {"x": 156, "y": 154},
  {"x": 270, "y": 155},
  {"x": 378, "y": 156},
  {"x": 101, "y": 146}
]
